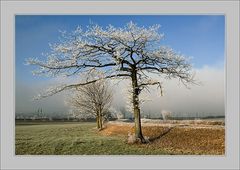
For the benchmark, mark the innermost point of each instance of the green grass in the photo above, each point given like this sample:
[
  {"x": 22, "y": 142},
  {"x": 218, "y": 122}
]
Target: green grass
[{"x": 72, "y": 139}]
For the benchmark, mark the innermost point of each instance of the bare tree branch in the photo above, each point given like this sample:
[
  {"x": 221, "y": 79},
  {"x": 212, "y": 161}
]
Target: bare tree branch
[{"x": 53, "y": 90}]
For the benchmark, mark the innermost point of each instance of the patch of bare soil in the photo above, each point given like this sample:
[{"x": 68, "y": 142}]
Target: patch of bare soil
[{"x": 177, "y": 137}]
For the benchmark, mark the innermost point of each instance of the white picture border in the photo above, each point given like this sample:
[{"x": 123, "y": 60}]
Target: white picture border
[{"x": 11, "y": 8}]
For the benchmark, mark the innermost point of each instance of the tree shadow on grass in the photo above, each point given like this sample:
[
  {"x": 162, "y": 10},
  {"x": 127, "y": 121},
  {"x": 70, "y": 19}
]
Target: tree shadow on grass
[{"x": 162, "y": 135}]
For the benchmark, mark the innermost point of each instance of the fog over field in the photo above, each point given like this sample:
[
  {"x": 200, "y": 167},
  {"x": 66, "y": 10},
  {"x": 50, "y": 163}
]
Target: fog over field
[{"x": 206, "y": 99}]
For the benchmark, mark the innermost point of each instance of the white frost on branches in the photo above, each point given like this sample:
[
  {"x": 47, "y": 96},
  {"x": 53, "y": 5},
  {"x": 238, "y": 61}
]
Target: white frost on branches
[{"x": 117, "y": 52}]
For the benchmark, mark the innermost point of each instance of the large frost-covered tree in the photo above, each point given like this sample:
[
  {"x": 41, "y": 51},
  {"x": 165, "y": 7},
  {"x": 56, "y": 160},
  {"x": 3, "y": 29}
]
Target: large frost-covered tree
[{"x": 130, "y": 52}]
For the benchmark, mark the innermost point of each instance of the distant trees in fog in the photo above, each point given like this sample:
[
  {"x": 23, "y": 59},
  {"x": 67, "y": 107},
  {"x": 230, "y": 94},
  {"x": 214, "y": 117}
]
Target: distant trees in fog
[{"x": 166, "y": 115}]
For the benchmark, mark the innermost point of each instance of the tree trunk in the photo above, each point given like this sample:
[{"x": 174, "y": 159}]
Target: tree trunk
[
  {"x": 136, "y": 109},
  {"x": 98, "y": 122}
]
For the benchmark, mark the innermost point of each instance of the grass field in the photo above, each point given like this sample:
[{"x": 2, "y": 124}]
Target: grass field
[{"x": 51, "y": 138}]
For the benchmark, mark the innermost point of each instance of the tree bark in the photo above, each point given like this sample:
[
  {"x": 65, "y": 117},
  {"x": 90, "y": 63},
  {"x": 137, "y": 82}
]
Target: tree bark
[
  {"x": 136, "y": 109},
  {"x": 98, "y": 122}
]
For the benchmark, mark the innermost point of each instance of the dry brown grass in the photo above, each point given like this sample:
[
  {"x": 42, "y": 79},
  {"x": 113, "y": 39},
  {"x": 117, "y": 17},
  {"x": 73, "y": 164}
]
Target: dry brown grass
[{"x": 193, "y": 138}]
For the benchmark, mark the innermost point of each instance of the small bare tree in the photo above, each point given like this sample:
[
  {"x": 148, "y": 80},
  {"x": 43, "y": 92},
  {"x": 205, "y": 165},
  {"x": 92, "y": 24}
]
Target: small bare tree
[
  {"x": 94, "y": 99},
  {"x": 131, "y": 52}
]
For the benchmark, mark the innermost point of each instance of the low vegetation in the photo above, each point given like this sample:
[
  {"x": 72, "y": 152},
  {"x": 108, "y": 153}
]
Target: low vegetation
[{"x": 52, "y": 138}]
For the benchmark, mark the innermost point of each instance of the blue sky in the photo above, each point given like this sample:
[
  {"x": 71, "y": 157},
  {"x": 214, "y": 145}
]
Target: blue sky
[
  {"x": 197, "y": 36},
  {"x": 200, "y": 37}
]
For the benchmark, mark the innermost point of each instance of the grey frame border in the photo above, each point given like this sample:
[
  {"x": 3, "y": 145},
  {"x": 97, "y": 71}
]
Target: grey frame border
[{"x": 10, "y": 8}]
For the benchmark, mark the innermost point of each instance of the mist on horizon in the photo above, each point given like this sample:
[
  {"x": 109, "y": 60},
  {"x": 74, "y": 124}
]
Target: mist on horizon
[{"x": 206, "y": 99}]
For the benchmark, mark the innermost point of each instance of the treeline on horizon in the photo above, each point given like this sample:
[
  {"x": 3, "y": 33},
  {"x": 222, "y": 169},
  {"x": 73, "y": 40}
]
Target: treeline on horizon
[{"x": 65, "y": 118}]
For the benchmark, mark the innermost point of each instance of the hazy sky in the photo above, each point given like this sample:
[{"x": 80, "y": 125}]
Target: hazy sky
[{"x": 200, "y": 37}]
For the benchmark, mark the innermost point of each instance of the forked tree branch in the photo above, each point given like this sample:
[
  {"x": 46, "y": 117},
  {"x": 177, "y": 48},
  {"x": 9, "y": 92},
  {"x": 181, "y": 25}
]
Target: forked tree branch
[{"x": 61, "y": 88}]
